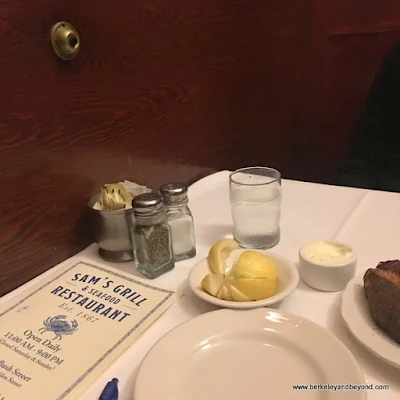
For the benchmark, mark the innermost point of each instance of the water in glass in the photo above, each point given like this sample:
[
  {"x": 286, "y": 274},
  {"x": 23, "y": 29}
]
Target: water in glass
[{"x": 256, "y": 209}]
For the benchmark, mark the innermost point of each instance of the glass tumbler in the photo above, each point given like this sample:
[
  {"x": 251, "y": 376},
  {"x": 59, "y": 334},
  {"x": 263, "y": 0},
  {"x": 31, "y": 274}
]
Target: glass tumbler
[{"x": 255, "y": 196}]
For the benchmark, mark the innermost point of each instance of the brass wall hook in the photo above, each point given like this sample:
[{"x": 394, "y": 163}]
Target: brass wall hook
[{"x": 65, "y": 40}]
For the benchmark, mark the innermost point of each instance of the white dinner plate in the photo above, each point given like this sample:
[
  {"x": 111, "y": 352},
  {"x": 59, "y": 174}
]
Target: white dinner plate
[
  {"x": 356, "y": 314},
  {"x": 253, "y": 354},
  {"x": 288, "y": 279}
]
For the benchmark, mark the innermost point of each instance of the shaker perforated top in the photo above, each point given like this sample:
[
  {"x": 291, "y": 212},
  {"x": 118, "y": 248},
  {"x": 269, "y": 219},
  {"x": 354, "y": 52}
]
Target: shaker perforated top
[
  {"x": 147, "y": 204},
  {"x": 174, "y": 193}
]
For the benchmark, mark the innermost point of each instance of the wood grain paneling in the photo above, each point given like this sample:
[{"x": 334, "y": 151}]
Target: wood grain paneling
[
  {"x": 351, "y": 40},
  {"x": 161, "y": 90},
  {"x": 354, "y": 17}
]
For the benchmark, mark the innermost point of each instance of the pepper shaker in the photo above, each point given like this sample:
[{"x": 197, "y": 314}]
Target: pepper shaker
[
  {"x": 151, "y": 236},
  {"x": 180, "y": 219}
]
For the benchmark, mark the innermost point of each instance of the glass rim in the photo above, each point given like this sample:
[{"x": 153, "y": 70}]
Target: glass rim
[{"x": 231, "y": 178}]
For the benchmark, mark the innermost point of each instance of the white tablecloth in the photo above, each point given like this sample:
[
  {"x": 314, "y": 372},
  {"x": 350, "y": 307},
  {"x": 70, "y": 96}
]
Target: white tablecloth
[{"x": 365, "y": 219}]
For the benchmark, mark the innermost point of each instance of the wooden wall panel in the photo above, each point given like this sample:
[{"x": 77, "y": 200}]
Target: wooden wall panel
[
  {"x": 351, "y": 40},
  {"x": 162, "y": 89},
  {"x": 352, "y": 17}
]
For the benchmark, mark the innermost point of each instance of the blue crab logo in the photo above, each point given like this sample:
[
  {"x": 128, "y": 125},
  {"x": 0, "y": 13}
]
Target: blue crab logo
[{"x": 59, "y": 326}]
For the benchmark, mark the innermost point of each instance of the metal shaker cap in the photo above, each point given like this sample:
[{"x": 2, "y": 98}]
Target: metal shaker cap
[
  {"x": 147, "y": 204},
  {"x": 174, "y": 193}
]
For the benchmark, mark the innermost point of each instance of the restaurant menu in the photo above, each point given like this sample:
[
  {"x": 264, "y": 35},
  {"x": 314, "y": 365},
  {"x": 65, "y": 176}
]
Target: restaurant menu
[{"x": 59, "y": 335}]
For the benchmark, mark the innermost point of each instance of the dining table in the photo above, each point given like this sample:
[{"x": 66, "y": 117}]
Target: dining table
[{"x": 367, "y": 220}]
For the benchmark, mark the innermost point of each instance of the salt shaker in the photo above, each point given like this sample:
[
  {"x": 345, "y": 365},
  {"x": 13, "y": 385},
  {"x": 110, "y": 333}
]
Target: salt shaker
[
  {"x": 180, "y": 219},
  {"x": 151, "y": 236}
]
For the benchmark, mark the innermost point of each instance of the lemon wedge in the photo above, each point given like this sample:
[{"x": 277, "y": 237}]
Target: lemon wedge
[
  {"x": 254, "y": 265},
  {"x": 224, "y": 293},
  {"x": 237, "y": 295},
  {"x": 253, "y": 277},
  {"x": 254, "y": 289},
  {"x": 212, "y": 284},
  {"x": 219, "y": 253}
]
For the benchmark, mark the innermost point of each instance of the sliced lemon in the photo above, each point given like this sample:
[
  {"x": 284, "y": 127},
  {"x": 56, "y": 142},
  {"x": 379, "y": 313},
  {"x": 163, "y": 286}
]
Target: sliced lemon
[
  {"x": 212, "y": 284},
  {"x": 238, "y": 295},
  {"x": 224, "y": 293},
  {"x": 219, "y": 253},
  {"x": 254, "y": 289},
  {"x": 253, "y": 264}
]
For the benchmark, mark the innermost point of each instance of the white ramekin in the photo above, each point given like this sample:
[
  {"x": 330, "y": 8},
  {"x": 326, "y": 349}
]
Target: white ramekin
[{"x": 326, "y": 277}]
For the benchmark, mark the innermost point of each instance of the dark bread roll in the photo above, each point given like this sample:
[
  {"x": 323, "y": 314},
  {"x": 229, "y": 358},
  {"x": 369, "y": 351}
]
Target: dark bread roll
[{"x": 382, "y": 290}]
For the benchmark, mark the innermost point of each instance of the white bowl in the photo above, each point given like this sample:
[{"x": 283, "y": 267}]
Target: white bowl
[
  {"x": 287, "y": 281},
  {"x": 327, "y": 276}
]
